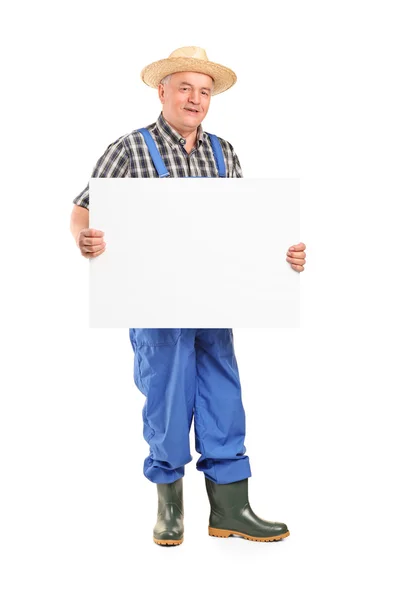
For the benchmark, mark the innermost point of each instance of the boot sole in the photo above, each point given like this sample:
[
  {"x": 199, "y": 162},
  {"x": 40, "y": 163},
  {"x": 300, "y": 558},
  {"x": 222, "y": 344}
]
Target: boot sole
[
  {"x": 168, "y": 542},
  {"x": 225, "y": 533}
]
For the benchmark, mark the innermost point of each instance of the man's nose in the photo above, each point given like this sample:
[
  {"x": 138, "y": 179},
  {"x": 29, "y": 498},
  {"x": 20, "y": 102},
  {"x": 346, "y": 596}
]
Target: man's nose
[{"x": 194, "y": 96}]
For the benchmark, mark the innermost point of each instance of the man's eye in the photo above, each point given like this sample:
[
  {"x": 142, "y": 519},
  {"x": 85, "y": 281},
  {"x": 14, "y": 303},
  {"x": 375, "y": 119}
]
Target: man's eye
[
  {"x": 184, "y": 89},
  {"x": 205, "y": 93}
]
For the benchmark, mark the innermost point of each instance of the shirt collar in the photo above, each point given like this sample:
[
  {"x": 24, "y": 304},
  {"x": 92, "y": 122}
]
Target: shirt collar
[{"x": 172, "y": 136}]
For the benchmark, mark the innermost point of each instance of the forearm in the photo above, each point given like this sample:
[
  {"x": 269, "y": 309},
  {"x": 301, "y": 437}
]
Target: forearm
[{"x": 79, "y": 220}]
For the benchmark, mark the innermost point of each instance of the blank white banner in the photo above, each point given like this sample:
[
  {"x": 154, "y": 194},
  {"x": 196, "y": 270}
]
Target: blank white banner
[{"x": 194, "y": 252}]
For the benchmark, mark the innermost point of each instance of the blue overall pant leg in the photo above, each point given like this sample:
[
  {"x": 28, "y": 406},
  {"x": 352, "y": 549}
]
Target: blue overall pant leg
[
  {"x": 219, "y": 416},
  {"x": 186, "y": 373}
]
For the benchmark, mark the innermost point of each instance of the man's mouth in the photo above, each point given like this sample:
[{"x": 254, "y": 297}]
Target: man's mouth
[{"x": 193, "y": 110}]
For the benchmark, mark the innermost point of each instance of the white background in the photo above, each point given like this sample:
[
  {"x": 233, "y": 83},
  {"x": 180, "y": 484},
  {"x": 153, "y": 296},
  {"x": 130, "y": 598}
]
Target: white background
[{"x": 317, "y": 98}]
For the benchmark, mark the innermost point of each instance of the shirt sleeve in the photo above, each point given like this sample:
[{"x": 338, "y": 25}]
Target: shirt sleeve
[
  {"x": 233, "y": 168},
  {"x": 237, "y": 169},
  {"x": 113, "y": 163}
]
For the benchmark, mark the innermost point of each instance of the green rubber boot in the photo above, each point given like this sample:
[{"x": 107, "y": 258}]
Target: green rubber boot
[
  {"x": 231, "y": 514},
  {"x": 168, "y": 530}
]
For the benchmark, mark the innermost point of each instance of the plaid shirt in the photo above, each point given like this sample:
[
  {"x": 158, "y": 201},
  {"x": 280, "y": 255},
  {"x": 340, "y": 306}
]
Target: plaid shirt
[{"x": 128, "y": 156}]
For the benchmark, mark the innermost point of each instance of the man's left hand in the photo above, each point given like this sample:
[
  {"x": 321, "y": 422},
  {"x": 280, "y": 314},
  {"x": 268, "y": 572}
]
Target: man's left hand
[{"x": 296, "y": 256}]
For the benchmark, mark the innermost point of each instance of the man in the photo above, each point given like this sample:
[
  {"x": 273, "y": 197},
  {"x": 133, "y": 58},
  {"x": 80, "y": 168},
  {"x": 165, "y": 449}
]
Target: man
[{"x": 186, "y": 373}]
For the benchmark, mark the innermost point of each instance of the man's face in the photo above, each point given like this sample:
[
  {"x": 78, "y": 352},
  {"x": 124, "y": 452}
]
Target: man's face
[{"x": 186, "y": 98}]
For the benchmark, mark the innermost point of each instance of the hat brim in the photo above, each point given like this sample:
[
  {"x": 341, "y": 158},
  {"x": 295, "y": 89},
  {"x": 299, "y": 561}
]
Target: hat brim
[{"x": 223, "y": 77}]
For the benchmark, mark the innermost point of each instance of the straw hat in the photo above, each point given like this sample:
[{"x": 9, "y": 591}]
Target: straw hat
[{"x": 189, "y": 58}]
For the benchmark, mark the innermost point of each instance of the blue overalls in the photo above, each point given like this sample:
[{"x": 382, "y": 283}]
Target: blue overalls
[{"x": 186, "y": 373}]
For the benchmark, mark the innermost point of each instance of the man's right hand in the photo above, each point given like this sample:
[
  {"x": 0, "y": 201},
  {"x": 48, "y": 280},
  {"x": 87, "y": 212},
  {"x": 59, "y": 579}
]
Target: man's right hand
[{"x": 90, "y": 242}]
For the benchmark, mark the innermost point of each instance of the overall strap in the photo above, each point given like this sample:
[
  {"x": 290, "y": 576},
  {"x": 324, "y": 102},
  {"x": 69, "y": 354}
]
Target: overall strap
[
  {"x": 159, "y": 163},
  {"x": 154, "y": 153},
  {"x": 217, "y": 151}
]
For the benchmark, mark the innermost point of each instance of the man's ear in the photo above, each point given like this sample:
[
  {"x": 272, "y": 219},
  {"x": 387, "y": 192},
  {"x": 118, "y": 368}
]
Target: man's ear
[{"x": 161, "y": 93}]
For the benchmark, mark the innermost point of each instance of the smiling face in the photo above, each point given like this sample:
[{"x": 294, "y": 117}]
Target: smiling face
[{"x": 185, "y": 99}]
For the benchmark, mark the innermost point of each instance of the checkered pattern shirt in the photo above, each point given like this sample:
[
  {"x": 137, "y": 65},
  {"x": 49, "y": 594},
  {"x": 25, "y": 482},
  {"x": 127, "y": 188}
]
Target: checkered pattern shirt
[{"x": 128, "y": 156}]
